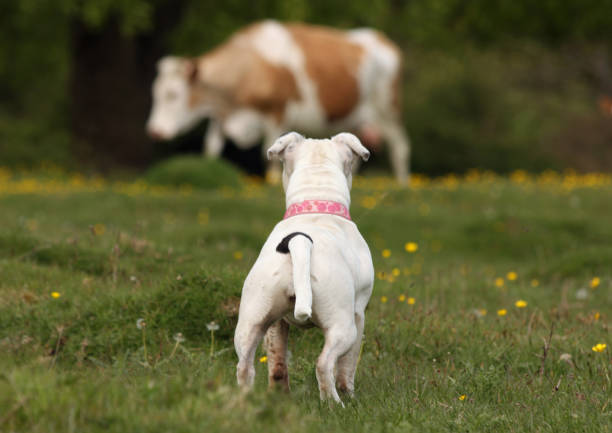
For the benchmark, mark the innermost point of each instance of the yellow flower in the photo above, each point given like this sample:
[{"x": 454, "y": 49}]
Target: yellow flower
[
  {"x": 203, "y": 217},
  {"x": 502, "y": 312},
  {"x": 411, "y": 301},
  {"x": 520, "y": 303},
  {"x": 238, "y": 255},
  {"x": 98, "y": 229},
  {"x": 386, "y": 253},
  {"x": 381, "y": 275},
  {"x": 368, "y": 202},
  {"x": 383, "y": 299},
  {"x": 482, "y": 312},
  {"x": 411, "y": 247},
  {"x": 511, "y": 276},
  {"x": 595, "y": 282},
  {"x": 599, "y": 347},
  {"x": 263, "y": 359},
  {"x": 499, "y": 282},
  {"x": 401, "y": 298},
  {"x": 424, "y": 209},
  {"x": 55, "y": 295},
  {"x": 396, "y": 272},
  {"x": 462, "y": 397},
  {"x": 535, "y": 283},
  {"x": 597, "y": 315}
]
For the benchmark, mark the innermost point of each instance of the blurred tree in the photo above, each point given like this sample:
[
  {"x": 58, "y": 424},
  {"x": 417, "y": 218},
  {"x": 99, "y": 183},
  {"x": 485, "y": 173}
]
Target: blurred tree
[{"x": 112, "y": 67}]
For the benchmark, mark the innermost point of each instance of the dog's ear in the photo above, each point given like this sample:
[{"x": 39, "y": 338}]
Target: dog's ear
[
  {"x": 279, "y": 146},
  {"x": 353, "y": 143}
]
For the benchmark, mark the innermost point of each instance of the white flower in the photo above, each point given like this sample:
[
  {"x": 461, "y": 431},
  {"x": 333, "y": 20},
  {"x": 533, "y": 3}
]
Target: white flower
[
  {"x": 140, "y": 323},
  {"x": 212, "y": 326},
  {"x": 178, "y": 337},
  {"x": 582, "y": 294}
]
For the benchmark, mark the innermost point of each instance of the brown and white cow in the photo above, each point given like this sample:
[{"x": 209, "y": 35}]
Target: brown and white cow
[{"x": 270, "y": 78}]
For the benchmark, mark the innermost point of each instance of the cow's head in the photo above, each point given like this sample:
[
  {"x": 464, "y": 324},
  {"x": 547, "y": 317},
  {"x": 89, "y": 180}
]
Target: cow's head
[{"x": 173, "y": 110}]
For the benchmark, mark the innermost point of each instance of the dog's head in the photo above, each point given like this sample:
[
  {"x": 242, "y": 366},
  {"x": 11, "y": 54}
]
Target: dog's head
[{"x": 320, "y": 158}]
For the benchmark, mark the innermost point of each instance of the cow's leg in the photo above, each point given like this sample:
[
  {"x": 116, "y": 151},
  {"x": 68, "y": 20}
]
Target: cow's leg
[
  {"x": 274, "y": 169},
  {"x": 399, "y": 149},
  {"x": 338, "y": 340},
  {"x": 347, "y": 364},
  {"x": 213, "y": 140},
  {"x": 275, "y": 343}
]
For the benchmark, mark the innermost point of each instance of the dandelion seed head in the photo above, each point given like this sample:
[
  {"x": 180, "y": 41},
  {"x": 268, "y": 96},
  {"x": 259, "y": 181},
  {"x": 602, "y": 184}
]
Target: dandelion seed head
[
  {"x": 212, "y": 326},
  {"x": 141, "y": 323},
  {"x": 582, "y": 294},
  {"x": 178, "y": 337}
]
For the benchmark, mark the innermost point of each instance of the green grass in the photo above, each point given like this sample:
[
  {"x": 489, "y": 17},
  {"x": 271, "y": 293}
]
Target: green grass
[{"x": 178, "y": 259}]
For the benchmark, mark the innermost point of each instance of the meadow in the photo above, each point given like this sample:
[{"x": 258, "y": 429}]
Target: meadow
[{"x": 491, "y": 307}]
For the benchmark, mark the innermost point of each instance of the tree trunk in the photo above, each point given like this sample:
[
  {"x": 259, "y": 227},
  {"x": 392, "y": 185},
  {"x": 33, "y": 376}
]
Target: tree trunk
[{"x": 110, "y": 87}]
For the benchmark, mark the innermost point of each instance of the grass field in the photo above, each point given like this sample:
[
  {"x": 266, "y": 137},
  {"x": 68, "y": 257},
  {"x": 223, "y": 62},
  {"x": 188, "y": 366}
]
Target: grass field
[{"x": 491, "y": 297}]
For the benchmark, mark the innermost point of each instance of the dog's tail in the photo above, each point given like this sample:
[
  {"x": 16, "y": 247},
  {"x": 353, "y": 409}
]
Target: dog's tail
[{"x": 299, "y": 245}]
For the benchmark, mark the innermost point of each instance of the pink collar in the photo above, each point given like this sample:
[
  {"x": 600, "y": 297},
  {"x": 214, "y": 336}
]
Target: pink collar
[{"x": 318, "y": 206}]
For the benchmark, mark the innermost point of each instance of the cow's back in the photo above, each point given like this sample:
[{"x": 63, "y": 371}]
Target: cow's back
[
  {"x": 325, "y": 74},
  {"x": 332, "y": 62}
]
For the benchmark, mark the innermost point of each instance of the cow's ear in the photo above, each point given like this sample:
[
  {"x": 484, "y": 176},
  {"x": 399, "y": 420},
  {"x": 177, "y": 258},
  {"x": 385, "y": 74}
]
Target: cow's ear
[
  {"x": 191, "y": 70},
  {"x": 279, "y": 146},
  {"x": 353, "y": 143}
]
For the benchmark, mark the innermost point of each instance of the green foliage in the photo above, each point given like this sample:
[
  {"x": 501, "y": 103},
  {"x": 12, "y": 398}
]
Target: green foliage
[
  {"x": 484, "y": 109},
  {"x": 194, "y": 171}
]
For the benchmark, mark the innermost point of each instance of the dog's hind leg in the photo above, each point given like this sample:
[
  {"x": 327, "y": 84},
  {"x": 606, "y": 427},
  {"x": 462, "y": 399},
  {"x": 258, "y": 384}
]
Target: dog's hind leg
[
  {"x": 338, "y": 340},
  {"x": 275, "y": 343},
  {"x": 347, "y": 364},
  {"x": 246, "y": 340}
]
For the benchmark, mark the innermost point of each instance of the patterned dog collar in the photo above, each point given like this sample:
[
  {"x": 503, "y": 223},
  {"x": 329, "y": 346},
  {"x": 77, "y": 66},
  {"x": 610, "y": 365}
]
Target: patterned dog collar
[{"x": 318, "y": 206}]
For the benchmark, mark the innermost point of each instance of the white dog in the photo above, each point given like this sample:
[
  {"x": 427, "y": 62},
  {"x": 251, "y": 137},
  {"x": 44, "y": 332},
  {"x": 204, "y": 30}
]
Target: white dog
[{"x": 315, "y": 262}]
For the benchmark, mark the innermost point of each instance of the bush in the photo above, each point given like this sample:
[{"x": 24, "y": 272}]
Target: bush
[{"x": 195, "y": 171}]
